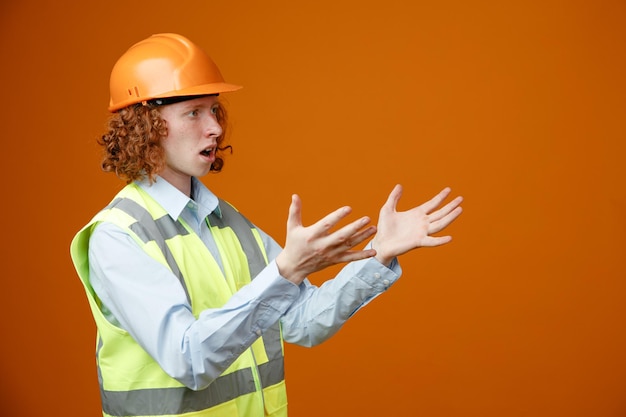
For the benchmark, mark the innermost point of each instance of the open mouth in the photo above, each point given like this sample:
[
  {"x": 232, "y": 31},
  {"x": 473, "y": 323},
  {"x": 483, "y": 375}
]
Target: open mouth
[{"x": 207, "y": 152}]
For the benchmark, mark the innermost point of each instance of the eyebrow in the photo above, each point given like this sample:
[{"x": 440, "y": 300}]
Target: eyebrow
[{"x": 189, "y": 104}]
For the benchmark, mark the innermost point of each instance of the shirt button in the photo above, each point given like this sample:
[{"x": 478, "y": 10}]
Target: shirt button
[
  {"x": 376, "y": 275},
  {"x": 258, "y": 333},
  {"x": 386, "y": 282}
]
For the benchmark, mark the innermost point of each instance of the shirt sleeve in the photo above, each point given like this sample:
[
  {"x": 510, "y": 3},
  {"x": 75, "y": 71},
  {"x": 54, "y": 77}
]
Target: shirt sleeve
[
  {"x": 143, "y": 297},
  {"x": 319, "y": 312}
]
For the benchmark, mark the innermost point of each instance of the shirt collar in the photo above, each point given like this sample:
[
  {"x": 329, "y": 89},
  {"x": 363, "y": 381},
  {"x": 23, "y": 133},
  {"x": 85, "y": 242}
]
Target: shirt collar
[{"x": 174, "y": 202}]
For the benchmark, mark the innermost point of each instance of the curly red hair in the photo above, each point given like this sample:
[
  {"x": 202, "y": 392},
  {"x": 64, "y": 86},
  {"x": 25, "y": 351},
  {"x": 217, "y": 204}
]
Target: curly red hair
[{"x": 132, "y": 145}]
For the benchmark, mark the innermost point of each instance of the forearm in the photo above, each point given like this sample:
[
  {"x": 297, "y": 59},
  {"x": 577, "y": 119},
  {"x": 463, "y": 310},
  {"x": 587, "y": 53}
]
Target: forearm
[
  {"x": 320, "y": 312},
  {"x": 154, "y": 309},
  {"x": 219, "y": 336}
]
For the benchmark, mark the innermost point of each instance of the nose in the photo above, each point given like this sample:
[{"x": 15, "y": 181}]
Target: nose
[{"x": 213, "y": 128}]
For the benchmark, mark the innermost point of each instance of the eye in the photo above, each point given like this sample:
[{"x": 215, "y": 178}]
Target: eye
[
  {"x": 215, "y": 109},
  {"x": 193, "y": 113}
]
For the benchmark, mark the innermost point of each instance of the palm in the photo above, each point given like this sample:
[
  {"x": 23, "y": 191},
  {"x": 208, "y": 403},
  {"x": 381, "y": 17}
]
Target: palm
[
  {"x": 402, "y": 231},
  {"x": 313, "y": 248}
]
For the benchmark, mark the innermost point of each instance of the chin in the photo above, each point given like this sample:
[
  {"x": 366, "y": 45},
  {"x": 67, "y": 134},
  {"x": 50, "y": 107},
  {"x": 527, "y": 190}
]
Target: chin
[{"x": 202, "y": 173}]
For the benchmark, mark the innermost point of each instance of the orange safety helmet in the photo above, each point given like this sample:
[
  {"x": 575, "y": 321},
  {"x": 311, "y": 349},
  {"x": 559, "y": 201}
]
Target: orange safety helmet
[{"x": 162, "y": 66}]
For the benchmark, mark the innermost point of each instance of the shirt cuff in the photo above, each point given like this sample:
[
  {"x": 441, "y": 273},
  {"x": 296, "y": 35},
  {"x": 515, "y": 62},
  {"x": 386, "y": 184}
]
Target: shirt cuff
[
  {"x": 377, "y": 275},
  {"x": 270, "y": 290}
]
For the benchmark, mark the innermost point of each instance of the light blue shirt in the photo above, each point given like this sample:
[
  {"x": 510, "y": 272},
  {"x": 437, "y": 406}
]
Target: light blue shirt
[{"x": 143, "y": 297}]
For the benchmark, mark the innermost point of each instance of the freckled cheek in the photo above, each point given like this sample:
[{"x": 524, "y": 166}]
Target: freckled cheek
[{"x": 176, "y": 149}]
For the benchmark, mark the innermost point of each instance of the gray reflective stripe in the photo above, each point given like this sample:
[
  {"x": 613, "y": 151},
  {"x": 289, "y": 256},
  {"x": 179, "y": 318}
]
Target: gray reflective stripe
[
  {"x": 158, "y": 231},
  {"x": 271, "y": 338},
  {"x": 167, "y": 401},
  {"x": 273, "y": 371},
  {"x": 242, "y": 228}
]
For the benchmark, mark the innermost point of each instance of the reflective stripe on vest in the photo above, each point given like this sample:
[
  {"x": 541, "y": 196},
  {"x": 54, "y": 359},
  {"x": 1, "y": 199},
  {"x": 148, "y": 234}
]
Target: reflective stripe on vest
[
  {"x": 158, "y": 231},
  {"x": 165, "y": 228},
  {"x": 173, "y": 398}
]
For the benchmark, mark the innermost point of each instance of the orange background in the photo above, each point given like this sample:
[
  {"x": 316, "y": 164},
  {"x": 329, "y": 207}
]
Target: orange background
[{"x": 518, "y": 106}]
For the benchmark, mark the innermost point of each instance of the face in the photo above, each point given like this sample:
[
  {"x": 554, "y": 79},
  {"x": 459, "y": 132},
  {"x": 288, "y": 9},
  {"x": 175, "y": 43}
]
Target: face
[{"x": 191, "y": 141}]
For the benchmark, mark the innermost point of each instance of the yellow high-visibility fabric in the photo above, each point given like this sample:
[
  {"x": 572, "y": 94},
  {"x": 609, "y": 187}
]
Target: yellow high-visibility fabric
[{"x": 129, "y": 377}]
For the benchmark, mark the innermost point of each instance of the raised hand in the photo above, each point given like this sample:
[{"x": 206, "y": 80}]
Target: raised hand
[
  {"x": 313, "y": 248},
  {"x": 400, "y": 232}
]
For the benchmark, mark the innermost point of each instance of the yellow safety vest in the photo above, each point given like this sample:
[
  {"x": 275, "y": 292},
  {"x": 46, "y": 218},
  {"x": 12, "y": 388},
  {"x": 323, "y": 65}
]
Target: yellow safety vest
[{"x": 131, "y": 382}]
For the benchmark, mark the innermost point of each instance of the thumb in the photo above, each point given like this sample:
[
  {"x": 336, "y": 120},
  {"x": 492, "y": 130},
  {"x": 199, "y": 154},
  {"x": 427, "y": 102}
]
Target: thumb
[
  {"x": 295, "y": 212},
  {"x": 394, "y": 197}
]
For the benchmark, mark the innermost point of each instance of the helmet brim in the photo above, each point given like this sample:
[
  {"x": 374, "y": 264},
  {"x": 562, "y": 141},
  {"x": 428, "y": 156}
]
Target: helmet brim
[{"x": 199, "y": 90}]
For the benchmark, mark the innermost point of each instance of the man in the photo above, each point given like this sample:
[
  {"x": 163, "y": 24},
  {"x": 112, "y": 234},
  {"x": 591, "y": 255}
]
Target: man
[{"x": 192, "y": 302}]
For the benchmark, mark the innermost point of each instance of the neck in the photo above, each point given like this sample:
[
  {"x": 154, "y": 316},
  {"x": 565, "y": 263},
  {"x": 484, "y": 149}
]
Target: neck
[{"x": 181, "y": 182}]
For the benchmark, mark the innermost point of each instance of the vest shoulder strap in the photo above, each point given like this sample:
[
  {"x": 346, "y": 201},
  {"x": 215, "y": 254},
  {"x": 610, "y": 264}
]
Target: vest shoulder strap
[{"x": 243, "y": 228}]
